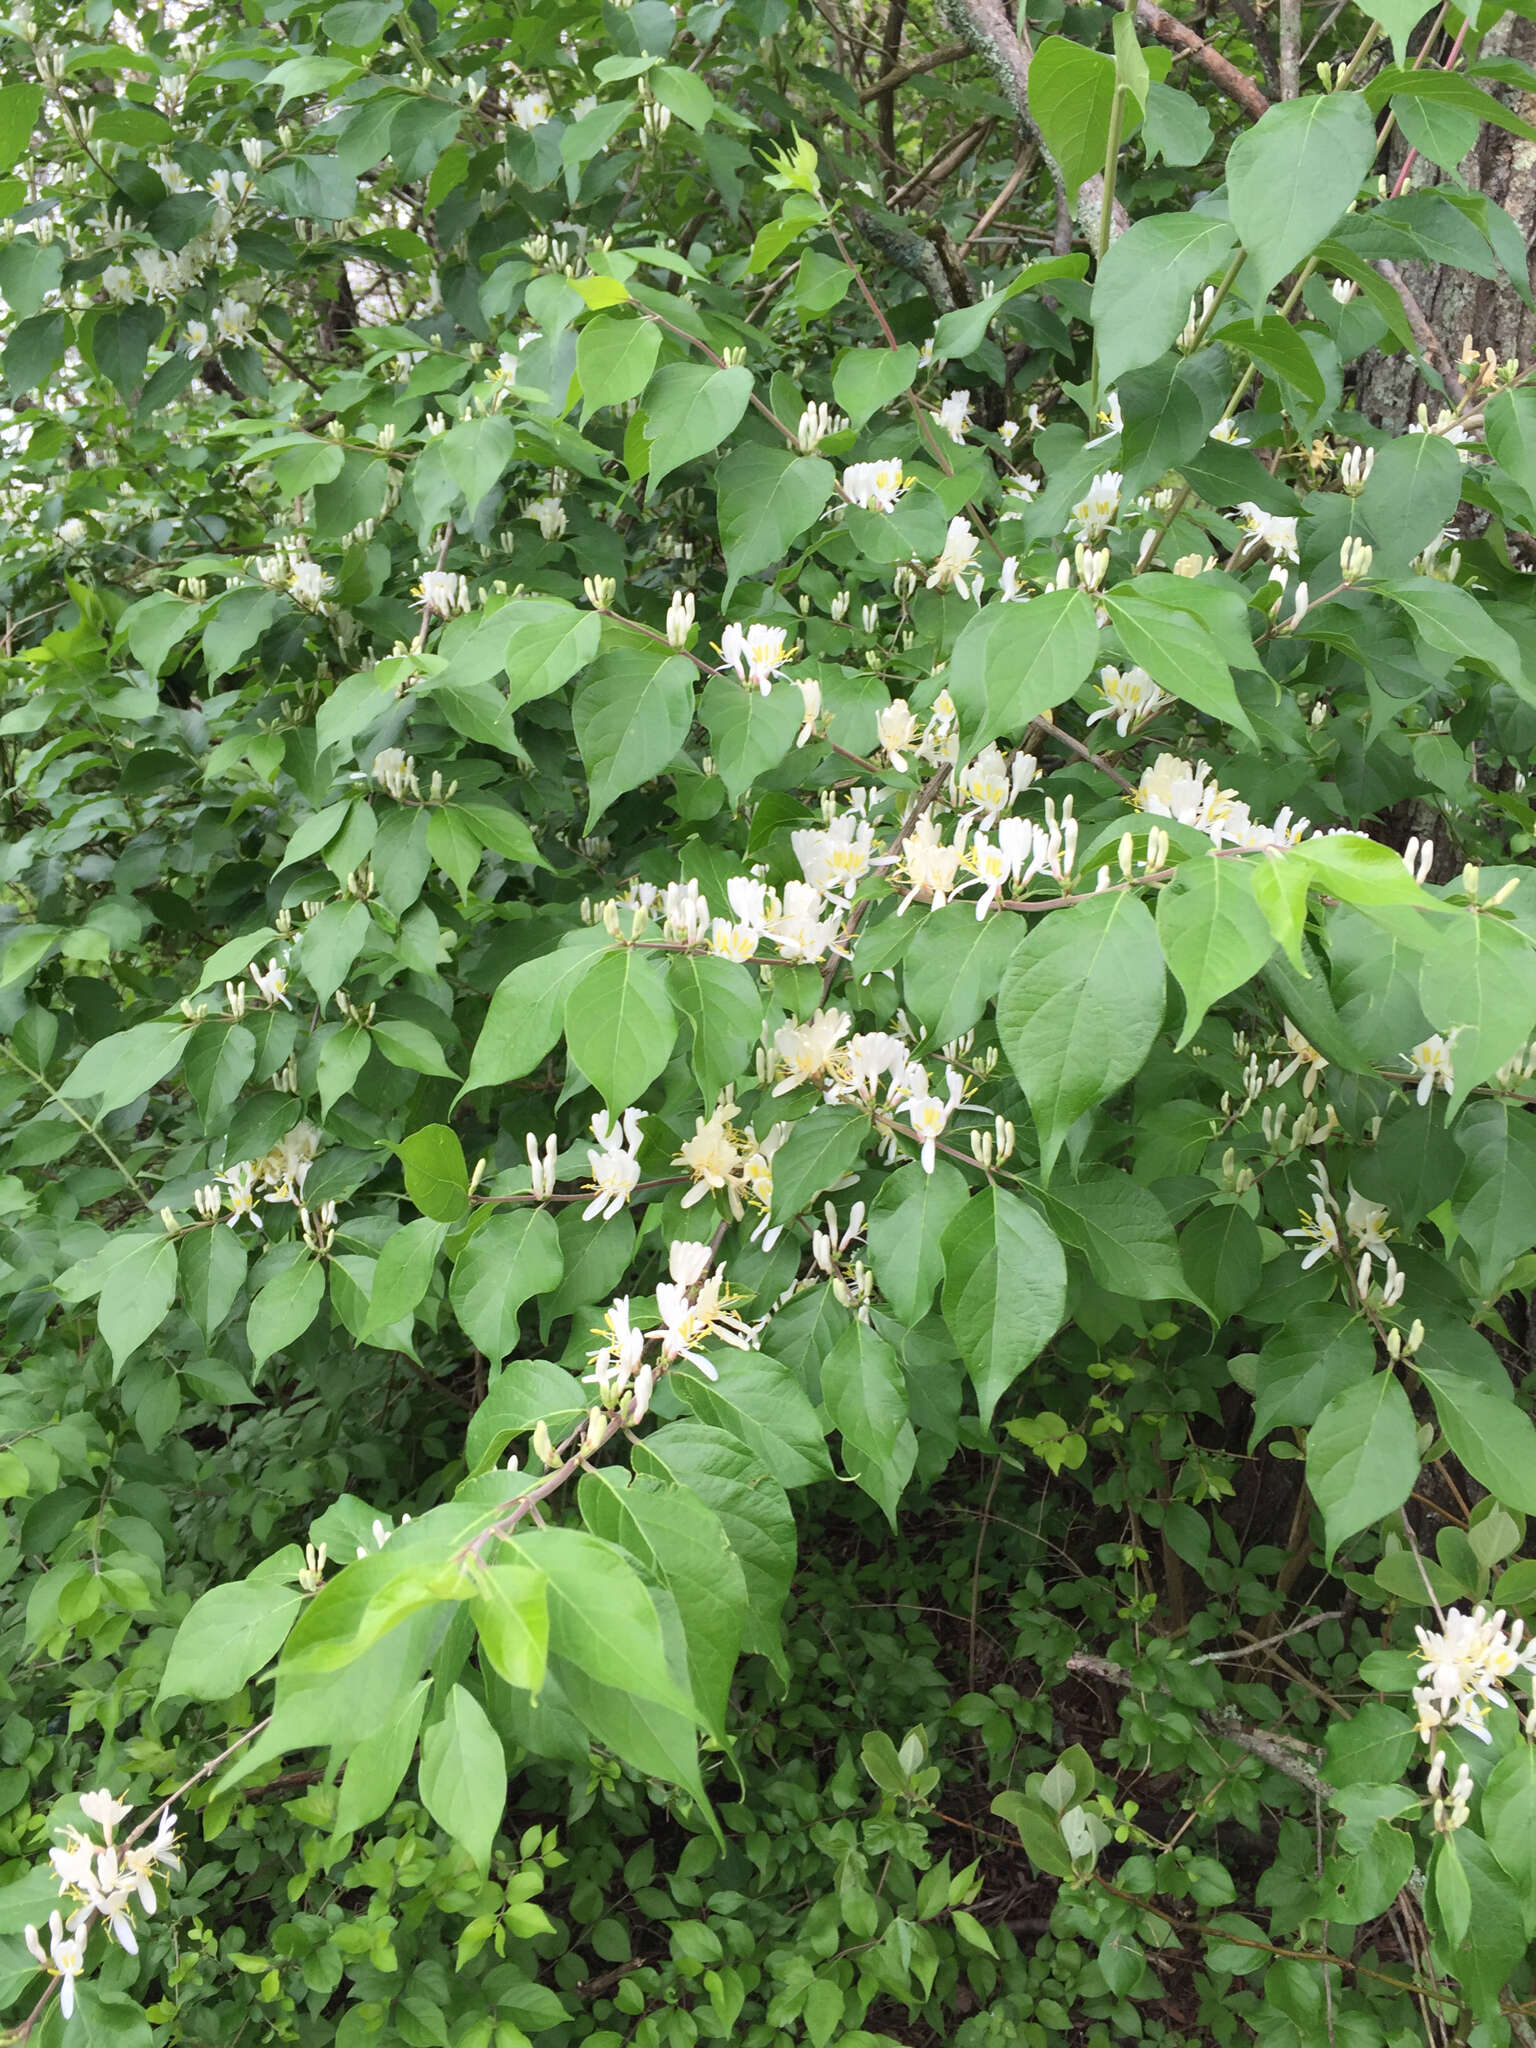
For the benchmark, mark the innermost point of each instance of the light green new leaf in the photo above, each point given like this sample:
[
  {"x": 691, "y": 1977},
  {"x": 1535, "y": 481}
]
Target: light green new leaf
[
  {"x": 1292, "y": 176},
  {"x": 514, "y": 1255},
  {"x": 689, "y": 410},
  {"x": 631, "y": 716},
  {"x": 1005, "y": 1290},
  {"x": 1213, "y": 934},
  {"x": 1149, "y": 275},
  {"x": 620, "y": 1025},
  {"x": 1079, "y": 1009},
  {"x": 463, "y": 1775},
  {"x": 866, "y": 1397},
  {"x": 1362, "y": 1457}
]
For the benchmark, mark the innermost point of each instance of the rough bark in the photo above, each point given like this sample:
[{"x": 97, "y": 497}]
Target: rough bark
[{"x": 1390, "y": 389}]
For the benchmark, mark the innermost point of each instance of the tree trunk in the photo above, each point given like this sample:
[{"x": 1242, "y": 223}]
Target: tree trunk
[{"x": 1389, "y": 388}]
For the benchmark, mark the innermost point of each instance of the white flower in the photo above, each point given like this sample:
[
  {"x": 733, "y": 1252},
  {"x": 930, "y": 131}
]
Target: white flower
[
  {"x": 104, "y": 1810},
  {"x": 308, "y": 584},
  {"x": 798, "y": 928},
  {"x": 867, "y": 1058},
  {"x": 732, "y": 941},
  {"x": 1355, "y": 468},
  {"x": 1343, "y": 289},
  {"x": 897, "y": 729},
  {"x": 1226, "y": 430},
  {"x": 531, "y": 110},
  {"x": 1431, "y": 1062},
  {"x": 692, "y": 1315},
  {"x": 1321, "y": 1229},
  {"x": 1275, "y": 533},
  {"x": 756, "y": 653},
  {"x": 243, "y": 1187},
  {"x": 928, "y": 864},
  {"x": 815, "y": 424},
  {"x": 1094, "y": 514},
  {"x": 804, "y": 1051},
  {"x": 954, "y": 415},
  {"x": 954, "y": 565},
  {"x": 271, "y": 984},
  {"x": 441, "y": 593},
  {"x": 810, "y": 698},
  {"x": 688, "y": 1261},
  {"x": 196, "y": 338},
  {"x": 712, "y": 1158},
  {"x": 1366, "y": 1222},
  {"x": 550, "y": 515},
  {"x": 679, "y": 624},
  {"x": 117, "y": 282},
  {"x": 1130, "y": 698},
  {"x": 235, "y": 320},
  {"x": 836, "y": 858},
  {"x": 930, "y": 1114},
  {"x": 1019, "y": 496},
  {"x": 1465, "y": 1663},
  {"x": 615, "y": 1168},
  {"x": 619, "y": 1358},
  {"x": 1007, "y": 433},
  {"x": 875, "y": 486},
  {"x": 64, "y": 1959},
  {"x": 1110, "y": 421},
  {"x": 1305, "y": 1059}
]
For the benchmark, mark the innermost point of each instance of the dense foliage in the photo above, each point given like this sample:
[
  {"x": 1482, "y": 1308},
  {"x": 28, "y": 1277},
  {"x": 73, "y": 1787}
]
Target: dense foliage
[{"x": 729, "y": 769}]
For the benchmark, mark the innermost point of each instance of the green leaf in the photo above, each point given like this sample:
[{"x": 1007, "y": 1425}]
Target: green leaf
[
  {"x": 681, "y": 1542},
  {"x": 285, "y": 1308},
  {"x": 1446, "y": 89},
  {"x": 513, "y": 1256},
  {"x": 631, "y": 716},
  {"x": 962, "y": 331},
  {"x": 907, "y": 1221},
  {"x": 226, "y": 1638},
  {"x": 409, "y": 1045},
  {"x": 767, "y": 497},
  {"x": 510, "y": 1609},
  {"x": 820, "y": 1149},
  {"x": 1213, "y": 934},
  {"x": 1479, "y": 981},
  {"x": 1483, "y": 1957},
  {"x": 867, "y": 380},
  {"x": 602, "y": 1616},
  {"x": 1039, "y": 1831},
  {"x": 1177, "y": 128},
  {"x": 1005, "y": 1290},
  {"x": 1071, "y": 91},
  {"x": 620, "y": 1025},
  {"x": 137, "y": 1299},
  {"x": 239, "y": 619},
  {"x": 748, "y": 732},
  {"x": 527, "y": 1013},
  {"x": 1164, "y": 631},
  {"x": 866, "y": 1397},
  {"x": 1222, "y": 1253},
  {"x": 1451, "y": 619},
  {"x": 526, "y": 1391},
  {"x": 752, "y": 1509},
  {"x": 1410, "y": 496},
  {"x": 20, "y": 105},
  {"x": 1362, "y": 1457},
  {"x": 951, "y": 970},
  {"x": 615, "y": 356},
  {"x": 1144, "y": 285},
  {"x": 1400, "y": 18},
  {"x": 546, "y": 643},
  {"x": 1320, "y": 1351},
  {"x": 436, "y": 1177},
  {"x": 689, "y": 410},
  {"x": 1494, "y": 1204},
  {"x": 1276, "y": 346},
  {"x": 762, "y": 1403},
  {"x": 1013, "y": 662},
  {"x": 1079, "y": 1008},
  {"x": 119, "y": 1069},
  {"x": 1124, "y": 1232},
  {"x": 1493, "y": 1437},
  {"x": 1292, "y": 176},
  {"x": 463, "y": 1775},
  {"x": 1509, "y": 423},
  {"x": 404, "y": 1272},
  {"x": 1508, "y": 1819},
  {"x": 724, "y": 1005}
]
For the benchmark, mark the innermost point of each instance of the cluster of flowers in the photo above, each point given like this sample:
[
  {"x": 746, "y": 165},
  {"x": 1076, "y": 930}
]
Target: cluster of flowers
[
  {"x": 1365, "y": 1222},
  {"x": 724, "y": 1158},
  {"x": 278, "y": 1176},
  {"x": 102, "y": 1879},
  {"x": 1464, "y": 1664},
  {"x": 1188, "y": 793},
  {"x": 693, "y": 1307},
  {"x": 292, "y": 570},
  {"x": 874, "y": 1069}
]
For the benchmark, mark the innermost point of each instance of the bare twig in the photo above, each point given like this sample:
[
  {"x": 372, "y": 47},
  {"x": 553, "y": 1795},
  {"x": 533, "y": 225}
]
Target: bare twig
[{"x": 1237, "y": 85}]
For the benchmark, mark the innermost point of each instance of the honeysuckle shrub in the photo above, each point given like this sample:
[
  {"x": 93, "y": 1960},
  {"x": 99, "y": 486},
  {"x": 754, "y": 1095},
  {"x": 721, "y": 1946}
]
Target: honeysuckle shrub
[{"x": 721, "y": 846}]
